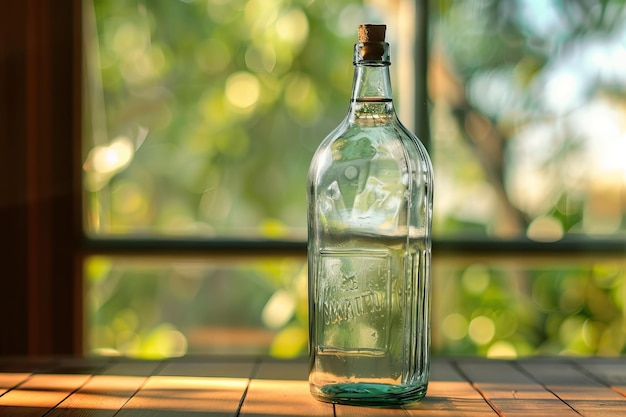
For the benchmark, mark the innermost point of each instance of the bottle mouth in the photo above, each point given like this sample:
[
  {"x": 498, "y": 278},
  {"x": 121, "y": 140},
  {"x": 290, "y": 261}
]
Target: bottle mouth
[{"x": 371, "y": 53}]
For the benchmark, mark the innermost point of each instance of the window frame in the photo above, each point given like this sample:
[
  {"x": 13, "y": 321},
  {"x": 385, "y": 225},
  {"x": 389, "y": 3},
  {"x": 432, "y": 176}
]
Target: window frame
[
  {"x": 41, "y": 187},
  {"x": 40, "y": 122}
]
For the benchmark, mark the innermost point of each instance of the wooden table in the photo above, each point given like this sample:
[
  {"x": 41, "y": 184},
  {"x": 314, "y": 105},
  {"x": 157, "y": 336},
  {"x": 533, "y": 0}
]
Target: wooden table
[{"x": 255, "y": 387}]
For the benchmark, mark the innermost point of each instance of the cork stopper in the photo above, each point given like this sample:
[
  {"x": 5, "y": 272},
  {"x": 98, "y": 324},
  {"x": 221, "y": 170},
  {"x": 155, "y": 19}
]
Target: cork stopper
[
  {"x": 371, "y": 37},
  {"x": 372, "y": 33}
]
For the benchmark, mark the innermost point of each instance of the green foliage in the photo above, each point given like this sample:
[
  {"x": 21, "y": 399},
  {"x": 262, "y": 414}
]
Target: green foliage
[
  {"x": 560, "y": 309},
  {"x": 528, "y": 95},
  {"x": 160, "y": 309},
  {"x": 202, "y": 117},
  {"x": 234, "y": 97}
]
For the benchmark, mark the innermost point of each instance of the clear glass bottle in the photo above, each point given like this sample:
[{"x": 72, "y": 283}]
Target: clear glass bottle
[{"x": 370, "y": 189}]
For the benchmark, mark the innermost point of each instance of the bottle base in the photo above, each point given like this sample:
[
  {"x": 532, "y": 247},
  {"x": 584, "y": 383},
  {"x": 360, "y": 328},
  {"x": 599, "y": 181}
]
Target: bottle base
[{"x": 370, "y": 394}]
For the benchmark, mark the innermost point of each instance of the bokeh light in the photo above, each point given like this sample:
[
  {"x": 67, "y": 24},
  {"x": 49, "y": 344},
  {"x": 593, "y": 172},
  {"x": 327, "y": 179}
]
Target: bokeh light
[
  {"x": 454, "y": 326},
  {"x": 242, "y": 90},
  {"x": 481, "y": 330}
]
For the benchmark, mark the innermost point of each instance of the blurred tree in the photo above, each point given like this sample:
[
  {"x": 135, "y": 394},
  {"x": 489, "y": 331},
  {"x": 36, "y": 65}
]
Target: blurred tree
[{"x": 536, "y": 94}]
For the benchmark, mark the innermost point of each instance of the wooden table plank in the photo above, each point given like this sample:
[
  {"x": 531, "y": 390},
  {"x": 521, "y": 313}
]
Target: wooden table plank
[
  {"x": 242, "y": 368},
  {"x": 10, "y": 380},
  {"x": 511, "y": 392},
  {"x": 39, "y": 393},
  {"x": 191, "y": 389},
  {"x": 33, "y": 386},
  {"x": 610, "y": 371},
  {"x": 128, "y": 367},
  {"x": 101, "y": 396},
  {"x": 282, "y": 389},
  {"x": 26, "y": 364},
  {"x": 450, "y": 395},
  {"x": 581, "y": 392},
  {"x": 84, "y": 366},
  {"x": 253, "y": 387},
  {"x": 105, "y": 393}
]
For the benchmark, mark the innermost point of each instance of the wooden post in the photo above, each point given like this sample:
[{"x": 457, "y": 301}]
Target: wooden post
[{"x": 40, "y": 226}]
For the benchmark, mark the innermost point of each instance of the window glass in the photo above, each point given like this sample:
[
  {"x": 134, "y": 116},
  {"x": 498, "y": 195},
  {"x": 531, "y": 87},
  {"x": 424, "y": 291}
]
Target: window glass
[
  {"x": 202, "y": 116},
  {"x": 508, "y": 308},
  {"x": 161, "y": 308},
  {"x": 529, "y": 103},
  {"x": 514, "y": 308}
]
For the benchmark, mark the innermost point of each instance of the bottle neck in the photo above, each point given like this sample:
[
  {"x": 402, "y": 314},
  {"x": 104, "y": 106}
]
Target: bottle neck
[{"x": 371, "y": 90}]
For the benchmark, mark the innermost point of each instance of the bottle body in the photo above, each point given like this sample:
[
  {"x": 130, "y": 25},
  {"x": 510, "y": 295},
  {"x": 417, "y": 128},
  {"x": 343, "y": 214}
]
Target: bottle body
[{"x": 370, "y": 208}]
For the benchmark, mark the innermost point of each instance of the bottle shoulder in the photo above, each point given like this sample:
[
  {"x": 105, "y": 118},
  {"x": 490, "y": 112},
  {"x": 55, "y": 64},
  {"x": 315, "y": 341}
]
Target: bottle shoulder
[
  {"x": 388, "y": 160},
  {"x": 351, "y": 141}
]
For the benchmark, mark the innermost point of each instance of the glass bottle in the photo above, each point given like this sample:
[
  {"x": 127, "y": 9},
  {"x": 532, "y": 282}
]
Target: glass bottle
[{"x": 370, "y": 188}]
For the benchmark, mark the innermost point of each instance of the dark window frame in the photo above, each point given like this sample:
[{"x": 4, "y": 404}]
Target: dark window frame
[{"x": 40, "y": 113}]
